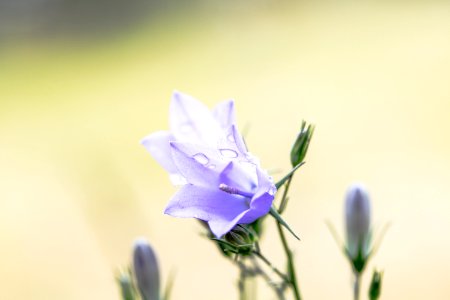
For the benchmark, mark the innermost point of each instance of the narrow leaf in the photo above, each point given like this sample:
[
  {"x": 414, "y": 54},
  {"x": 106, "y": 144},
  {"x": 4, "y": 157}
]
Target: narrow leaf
[
  {"x": 274, "y": 213},
  {"x": 288, "y": 175}
]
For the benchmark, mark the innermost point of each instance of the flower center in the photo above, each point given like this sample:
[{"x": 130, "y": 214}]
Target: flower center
[{"x": 234, "y": 191}]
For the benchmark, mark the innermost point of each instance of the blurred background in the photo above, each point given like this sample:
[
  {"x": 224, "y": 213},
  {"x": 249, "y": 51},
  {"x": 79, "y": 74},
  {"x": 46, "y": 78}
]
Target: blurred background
[{"x": 81, "y": 82}]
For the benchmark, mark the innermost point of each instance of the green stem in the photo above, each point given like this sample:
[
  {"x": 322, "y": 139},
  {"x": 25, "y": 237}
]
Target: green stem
[
  {"x": 284, "y": 199},
  {"x": 267, "y": 262},
  {"x": 241, "y": 284},
  {"x": 279, "y": 290},
  {"x": 290, "y": 261},
  {"x": 356, "y": 287},
  {"x": 244, "y": 283}
]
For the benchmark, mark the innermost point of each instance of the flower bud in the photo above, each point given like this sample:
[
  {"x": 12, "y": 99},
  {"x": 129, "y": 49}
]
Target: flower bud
[
  {"x": 242, "y": 238},
  {"x": 146, "y": 270},
  {"x": 357, "y": 218},
  {"x": 239, "y": 240},
  {"x": 375, "y": 285},
  {"x": 301, "y": 144},
  {"x": 126, "y": 286}
]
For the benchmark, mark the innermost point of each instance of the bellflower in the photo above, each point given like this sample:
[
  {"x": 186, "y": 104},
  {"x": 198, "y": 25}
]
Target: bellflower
[{"x": 221, "y": 182}]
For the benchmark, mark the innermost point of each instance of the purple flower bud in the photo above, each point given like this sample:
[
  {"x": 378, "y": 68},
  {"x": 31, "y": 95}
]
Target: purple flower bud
[
  {"x": 146, "y": 270},
  {"x": 357, "y": 219}
]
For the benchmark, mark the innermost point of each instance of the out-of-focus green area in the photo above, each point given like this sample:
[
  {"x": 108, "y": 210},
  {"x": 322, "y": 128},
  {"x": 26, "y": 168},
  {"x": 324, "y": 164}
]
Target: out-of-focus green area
[{"x": 76, "y": 187}]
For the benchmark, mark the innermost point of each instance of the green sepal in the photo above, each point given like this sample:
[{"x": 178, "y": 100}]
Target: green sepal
[
  {"x": 288, "y": 175},
  {"x": 240, "y": 240},
  {"x": 127, "y": 288},
  {"x": 301, "y": 144},
  {"x": 169, "y": 286},
  {"x": 375, "y": 285},
  {"x": 274, "y": 213}
]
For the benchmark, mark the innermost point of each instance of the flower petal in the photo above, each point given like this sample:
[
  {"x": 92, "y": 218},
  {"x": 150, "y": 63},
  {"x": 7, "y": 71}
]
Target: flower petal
[
  {"x": 240, "y": 175},
  {"x": 238, "y": 140},
  {"x": 259, "y": 206},
  {"x": 198, "y": 164},
  {"x": 158, "y": 144},
  {"x": 232, "y": 145},
  {"x": 224, "y": 113},
  {"x": 211, "y": 205},
  {"x": 262, "y": 200},
  {"x": 219, "y": 227},
  {"x": 192, "y": 121}
]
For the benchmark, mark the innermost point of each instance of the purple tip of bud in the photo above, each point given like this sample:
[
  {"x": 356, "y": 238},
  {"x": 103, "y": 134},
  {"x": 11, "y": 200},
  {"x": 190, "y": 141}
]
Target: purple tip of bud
[
  {"x": 357, "y": 219},
  {"x": 146, "y": 269}
]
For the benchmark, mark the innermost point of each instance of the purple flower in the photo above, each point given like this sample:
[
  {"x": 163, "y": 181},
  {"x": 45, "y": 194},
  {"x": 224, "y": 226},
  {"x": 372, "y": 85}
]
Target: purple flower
[{"x": 222, "y": 183}]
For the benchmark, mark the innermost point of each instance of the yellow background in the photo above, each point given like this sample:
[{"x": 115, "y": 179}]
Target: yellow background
[{"x": 76, "y": 187}]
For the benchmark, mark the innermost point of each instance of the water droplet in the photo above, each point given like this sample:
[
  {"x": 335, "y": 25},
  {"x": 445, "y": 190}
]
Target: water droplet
[
  {"x": 211, "y": 166},
  {"x": 230, "y": 137},
  {"x": 272, "y": 191},
  {"x": 228, "y": 153},
  {"x": 201, "y": 158}
]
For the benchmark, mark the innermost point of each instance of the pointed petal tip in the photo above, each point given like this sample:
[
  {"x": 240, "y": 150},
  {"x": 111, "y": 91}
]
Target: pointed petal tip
[
  {"x": 176, "y": 94},
  {"x": 143, "y": 141},
  {"x": 169, "y": 210}
]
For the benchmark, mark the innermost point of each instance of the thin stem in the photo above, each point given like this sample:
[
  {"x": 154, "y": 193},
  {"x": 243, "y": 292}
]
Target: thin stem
[
  {"x": 291, "y": 268},
  {"x": 356, "y": 286},
  {"x": 284, "y": 199},
  {"x": 241, "y": 284},
  {"x": 279, "y": 291},
  {"x": 270, "y": 265},
  {"x": 244, "y": 275}
]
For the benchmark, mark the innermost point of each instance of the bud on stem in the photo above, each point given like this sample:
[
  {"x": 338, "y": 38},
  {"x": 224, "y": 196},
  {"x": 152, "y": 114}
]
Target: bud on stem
[
  {"x": 301, "y": 144},
  {"x": 375, "y": 285},
  {"x": 357, "y": 219},
  {"x": 126, "y": 286},
  {"x": 146, "y": 270}
]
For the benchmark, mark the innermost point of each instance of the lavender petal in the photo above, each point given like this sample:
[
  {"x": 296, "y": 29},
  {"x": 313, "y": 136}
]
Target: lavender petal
[
  {"x": 225, "y": 114},
  {"x": 190, "y": 120}
]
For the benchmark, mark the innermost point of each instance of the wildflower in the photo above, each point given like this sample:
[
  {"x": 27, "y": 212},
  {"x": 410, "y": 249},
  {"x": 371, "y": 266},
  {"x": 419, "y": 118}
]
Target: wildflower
[{"x": 221, "y": 182}]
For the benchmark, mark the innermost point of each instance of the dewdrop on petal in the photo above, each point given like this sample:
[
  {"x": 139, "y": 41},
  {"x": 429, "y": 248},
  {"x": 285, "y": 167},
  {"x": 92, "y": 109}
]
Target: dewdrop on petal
[{"x": 146, "y": 271}]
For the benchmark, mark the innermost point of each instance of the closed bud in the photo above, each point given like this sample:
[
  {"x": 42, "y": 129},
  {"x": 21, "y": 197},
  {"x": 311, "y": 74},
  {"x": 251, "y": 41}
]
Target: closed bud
[
  {"x": 146, "y": 270},
  {"x": 375, "y": 285},
  {"x": 357, "y": 219},
  {"x": 126, "y": 286},
  {"x": 301, "y": 144},
  {"x": 240, "y": 240}
]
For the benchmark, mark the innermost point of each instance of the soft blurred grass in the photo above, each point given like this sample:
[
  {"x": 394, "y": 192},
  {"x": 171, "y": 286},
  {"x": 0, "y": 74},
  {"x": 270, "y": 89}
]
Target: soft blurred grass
[{"x": 76, "y": 187}]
